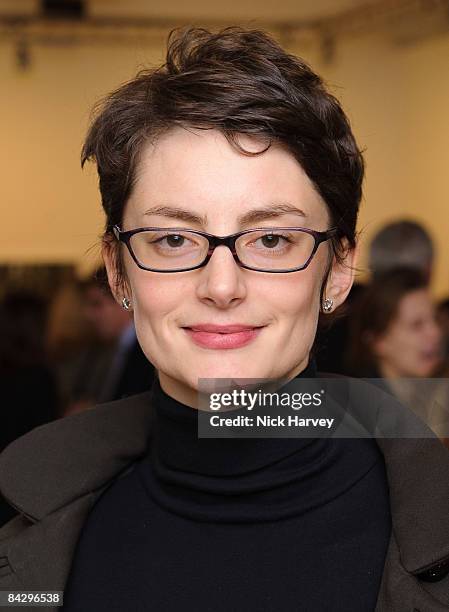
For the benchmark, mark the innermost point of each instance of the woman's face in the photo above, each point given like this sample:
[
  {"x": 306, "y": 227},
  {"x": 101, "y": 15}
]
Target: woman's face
[
  {"x": 411, "y": 346},
  {"x": 198, "y": 174}
]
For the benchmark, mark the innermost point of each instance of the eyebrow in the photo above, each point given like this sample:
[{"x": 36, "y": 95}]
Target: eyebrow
[{"x": 272, "y": 211}]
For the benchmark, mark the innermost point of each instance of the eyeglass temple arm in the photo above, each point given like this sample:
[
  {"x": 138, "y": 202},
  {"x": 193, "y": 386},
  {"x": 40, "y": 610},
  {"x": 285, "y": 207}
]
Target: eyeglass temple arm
[{"x": 330, "y": 233}]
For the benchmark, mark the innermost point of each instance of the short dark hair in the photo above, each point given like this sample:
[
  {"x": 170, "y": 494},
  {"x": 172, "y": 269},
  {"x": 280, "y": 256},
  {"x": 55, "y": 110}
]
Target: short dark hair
[{"x": 238, "y": 81}]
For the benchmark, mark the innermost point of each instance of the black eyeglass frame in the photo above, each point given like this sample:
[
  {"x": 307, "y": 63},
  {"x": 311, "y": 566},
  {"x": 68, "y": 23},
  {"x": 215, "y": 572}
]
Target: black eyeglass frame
[{"x": 229, "y": 241}]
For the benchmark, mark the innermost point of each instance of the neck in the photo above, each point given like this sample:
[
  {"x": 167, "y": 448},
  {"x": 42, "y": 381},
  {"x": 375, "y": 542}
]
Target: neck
[{"x": 388, "y": 371}]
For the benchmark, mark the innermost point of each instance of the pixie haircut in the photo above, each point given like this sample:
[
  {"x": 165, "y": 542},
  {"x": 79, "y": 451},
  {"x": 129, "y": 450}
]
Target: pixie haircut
[{"x": 237, "y": 81}]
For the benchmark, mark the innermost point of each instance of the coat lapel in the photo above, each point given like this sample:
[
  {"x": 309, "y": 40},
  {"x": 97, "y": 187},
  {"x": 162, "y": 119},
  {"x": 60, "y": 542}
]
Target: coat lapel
[
  {"x": 401, "y": 591},
  {"x": 55, "y": 464},
  {"x": 73, "y": 460}
]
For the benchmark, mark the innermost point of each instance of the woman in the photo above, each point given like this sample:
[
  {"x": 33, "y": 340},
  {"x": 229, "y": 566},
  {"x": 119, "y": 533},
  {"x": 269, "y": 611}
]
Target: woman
[
  {"x": 395, "y": 336},
  {"x": 201, "y": 164},
  {"x": 394, "y": 331}
]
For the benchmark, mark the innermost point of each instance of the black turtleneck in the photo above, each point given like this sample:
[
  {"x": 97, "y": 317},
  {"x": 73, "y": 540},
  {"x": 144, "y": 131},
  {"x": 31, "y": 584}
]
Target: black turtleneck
[{"x": 266, "y": 524}]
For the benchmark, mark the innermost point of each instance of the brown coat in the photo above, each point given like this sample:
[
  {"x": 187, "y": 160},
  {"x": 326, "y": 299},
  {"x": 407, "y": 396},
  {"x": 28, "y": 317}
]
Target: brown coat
[{"x": 54, "y": 474}]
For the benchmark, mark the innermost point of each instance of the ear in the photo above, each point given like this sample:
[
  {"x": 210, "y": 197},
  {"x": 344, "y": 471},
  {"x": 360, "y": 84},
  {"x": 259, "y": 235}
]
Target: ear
[
  {"x": 341, "y": 276},
  {"x": 110, "y": 254}
]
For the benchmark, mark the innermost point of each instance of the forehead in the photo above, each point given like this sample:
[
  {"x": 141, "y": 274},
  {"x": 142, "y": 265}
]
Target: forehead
[
  {"x": 200, "y": 170},
  {"x": 415, "y": 303}
]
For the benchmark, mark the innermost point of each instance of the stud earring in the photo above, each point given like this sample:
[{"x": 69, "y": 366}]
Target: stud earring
[
  {"x": 327, "y": 304},
  {"x": 126, "y": 303}
]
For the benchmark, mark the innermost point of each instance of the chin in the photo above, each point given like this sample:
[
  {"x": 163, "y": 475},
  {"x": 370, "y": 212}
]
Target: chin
[
  {"x": 429, "y": 372},
  {"x": 421, "y": 372},
  {"x": 234, "y": 368}
]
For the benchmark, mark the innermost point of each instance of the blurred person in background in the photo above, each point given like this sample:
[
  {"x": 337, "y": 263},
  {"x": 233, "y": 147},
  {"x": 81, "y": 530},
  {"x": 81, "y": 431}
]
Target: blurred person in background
[
  {"x": 394, "y": 330},
  {"x": 68, "y": 338},
  {"x": 395, "y": 337},
  {"x": 114, "y": 366},
  {"x": 29, "y": 394},
  {"x": 402, "y": 243}
]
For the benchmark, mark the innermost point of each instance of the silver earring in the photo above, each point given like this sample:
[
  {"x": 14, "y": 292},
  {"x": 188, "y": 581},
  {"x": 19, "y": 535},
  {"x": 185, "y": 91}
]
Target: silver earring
[
  {"x": 327, "y": 304},
  {"x": 126, "y": 303}
]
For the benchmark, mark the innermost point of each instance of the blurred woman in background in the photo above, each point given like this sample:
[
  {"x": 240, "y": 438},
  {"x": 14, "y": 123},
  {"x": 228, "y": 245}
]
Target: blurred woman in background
[
  {"x": 394, "y": 330},
  {"x": 396, "y": 337}
]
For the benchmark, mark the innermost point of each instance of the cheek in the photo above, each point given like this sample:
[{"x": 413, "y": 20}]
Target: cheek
[
  {"x": 294, "y": 300},
  {"x": 402, "y": 347},
  {"x": 396, "y": 344},
  {"x": 154, "y": 297},
  {"x": 292, "y": 297},
  {"x": 411, "y": 343}
]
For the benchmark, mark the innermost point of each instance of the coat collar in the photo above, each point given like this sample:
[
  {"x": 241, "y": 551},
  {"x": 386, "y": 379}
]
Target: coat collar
[{"x": 56, "y": 464}]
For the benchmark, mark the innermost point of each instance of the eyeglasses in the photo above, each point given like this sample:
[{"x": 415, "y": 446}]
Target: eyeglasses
[{"x": 268, "y": 249}]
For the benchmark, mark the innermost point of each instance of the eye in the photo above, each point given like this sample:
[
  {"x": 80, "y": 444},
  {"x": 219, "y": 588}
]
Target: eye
[
  {"x": 170, "y": 242},
  {"x": 173, "y": 240},
  {"x": 271, "y": 241},
  {"x": 166, "y": 240}
]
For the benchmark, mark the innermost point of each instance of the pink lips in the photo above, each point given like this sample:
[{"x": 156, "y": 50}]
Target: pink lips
[{"x": 222, "y": 336}]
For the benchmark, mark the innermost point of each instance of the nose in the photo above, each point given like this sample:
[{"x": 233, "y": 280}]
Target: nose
[{"x": 221, "y": 280}]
